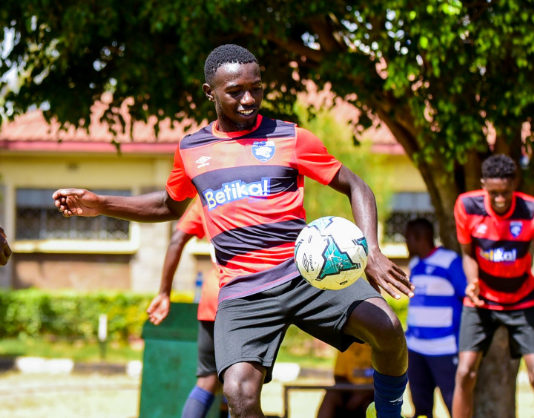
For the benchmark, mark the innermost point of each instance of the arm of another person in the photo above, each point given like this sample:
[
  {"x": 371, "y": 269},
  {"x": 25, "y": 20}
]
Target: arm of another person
[
  {"x": 5, "y": 250},
  {"x": 457, "y": 277},
  {"x": 159, "y": 307},
  {"x": 380, "y": 269},
  {"x": 152, "y": 207}
]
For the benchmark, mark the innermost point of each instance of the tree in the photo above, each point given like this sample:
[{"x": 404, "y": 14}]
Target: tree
[{"x": 438, "y": 73}]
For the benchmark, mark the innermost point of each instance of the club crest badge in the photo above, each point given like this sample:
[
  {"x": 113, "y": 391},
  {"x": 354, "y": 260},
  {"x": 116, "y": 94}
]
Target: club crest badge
[
  {"x": 263, "y": 150},
  {"x": 515, "y": 228}
]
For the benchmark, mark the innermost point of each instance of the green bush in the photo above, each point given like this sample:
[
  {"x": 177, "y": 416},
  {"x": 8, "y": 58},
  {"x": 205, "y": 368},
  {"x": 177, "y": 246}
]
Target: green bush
[{"x": 32, "y": 313}]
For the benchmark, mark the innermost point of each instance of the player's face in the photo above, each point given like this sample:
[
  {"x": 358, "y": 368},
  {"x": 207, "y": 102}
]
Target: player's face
[
  {"x": 411, "y": 242},
  {"x": 500, "y": 192},
  {"x": 237, "y": 92}
]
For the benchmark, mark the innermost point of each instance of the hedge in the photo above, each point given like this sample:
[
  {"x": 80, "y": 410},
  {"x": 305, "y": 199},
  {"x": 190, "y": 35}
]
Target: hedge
[{"x": 70, "y": 314}]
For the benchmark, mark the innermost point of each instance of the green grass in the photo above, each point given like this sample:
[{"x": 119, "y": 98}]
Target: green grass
[{"x": 78, "y": 350}]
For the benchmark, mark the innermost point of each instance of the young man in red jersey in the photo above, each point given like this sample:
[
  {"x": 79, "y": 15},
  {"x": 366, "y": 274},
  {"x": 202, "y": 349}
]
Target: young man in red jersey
[
  {"x": 203, "y": 394},
  {"x": 495, "y": 228},
  {"x": 249, "y": 173}
]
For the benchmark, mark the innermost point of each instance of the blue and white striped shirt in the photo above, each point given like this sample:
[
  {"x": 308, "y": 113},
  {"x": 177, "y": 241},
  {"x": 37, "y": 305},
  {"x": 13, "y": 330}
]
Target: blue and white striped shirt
[{"x": 434, "y": 312}]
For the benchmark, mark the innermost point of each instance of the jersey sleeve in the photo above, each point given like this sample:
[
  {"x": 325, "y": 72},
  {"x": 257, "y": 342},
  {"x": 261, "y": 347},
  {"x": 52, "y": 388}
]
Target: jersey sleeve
[
  {"x": 313, "y": 159},
  {"x": 457, "y": 277},
  {"x": 179, "y": 186},
  {"x": 191, "y": 221},
  {"x": 462, "y": 230}
]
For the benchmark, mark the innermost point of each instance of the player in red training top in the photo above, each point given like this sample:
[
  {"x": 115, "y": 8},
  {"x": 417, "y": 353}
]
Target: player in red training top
[
  {"x": 495, "y": 228},
  {"x": 249, "y": 173},
  {"x": 203, "y": 394}
]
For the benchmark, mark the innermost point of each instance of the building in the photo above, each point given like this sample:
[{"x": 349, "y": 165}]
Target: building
[{"x": 51, "y": 252}]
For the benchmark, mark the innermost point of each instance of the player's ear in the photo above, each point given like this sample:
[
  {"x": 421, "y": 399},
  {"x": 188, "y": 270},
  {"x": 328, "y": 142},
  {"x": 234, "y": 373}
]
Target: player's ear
[
  {"x": 208, "y": 91},
  {"x": 482, "y": 183}
]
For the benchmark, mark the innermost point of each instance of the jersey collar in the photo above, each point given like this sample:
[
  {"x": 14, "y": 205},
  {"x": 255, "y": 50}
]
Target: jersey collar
[
  {"x": 494, "y": 214},
  {"x": 232, "y": 135}
]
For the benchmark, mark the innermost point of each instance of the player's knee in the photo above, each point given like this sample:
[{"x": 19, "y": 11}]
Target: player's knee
[
  {"x": 242, "y": 394},
  {"x": 390, "y": 336},
  {"x": 466, "y": 375}
]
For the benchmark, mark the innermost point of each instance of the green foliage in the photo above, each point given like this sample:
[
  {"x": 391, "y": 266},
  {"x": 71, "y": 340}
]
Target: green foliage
[
  {"x": 35, "y": 313},
  {"x": 338, "y": 137}
]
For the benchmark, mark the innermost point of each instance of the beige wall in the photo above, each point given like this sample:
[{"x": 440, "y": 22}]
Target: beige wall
[{"x": 135, "y": 264}]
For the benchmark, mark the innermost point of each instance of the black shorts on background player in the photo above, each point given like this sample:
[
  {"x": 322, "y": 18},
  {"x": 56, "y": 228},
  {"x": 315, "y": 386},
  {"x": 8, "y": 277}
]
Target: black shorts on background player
[
  {"x": 206, "y": 349},
  {"x": 479, "y": 326},
  {"x": 251, "y": 329}
]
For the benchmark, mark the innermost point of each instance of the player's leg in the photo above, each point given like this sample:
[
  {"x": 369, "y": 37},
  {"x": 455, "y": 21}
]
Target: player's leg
[
  {"x": 202, "y": 396},
  {"x": 422, "y": 384},
  {"x": 374, "y": 322},
  {"x": 466, "y": 378},
  {"x": 248, "y": 334},
  {"x": 443, "y": 369},
  {"x": 355, "y": 314},
  {"x": 242, "y": 387},
  {"x": 476, "y": 333},
  {"x": 521, "y": 334}
]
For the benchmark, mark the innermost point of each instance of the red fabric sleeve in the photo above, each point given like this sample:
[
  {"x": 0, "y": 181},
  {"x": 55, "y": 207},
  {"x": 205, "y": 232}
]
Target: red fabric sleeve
[
  {"x": 313, "y": 159},
  {"x": 179, "y": 186},
  {"x": 462, "y": 230},
  {"x": 191, "y": 221}
]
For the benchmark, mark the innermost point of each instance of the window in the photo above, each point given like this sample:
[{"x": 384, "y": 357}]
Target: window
[
  {"x": 38, "y": 219},
  {"x": 407, "y": 206}
]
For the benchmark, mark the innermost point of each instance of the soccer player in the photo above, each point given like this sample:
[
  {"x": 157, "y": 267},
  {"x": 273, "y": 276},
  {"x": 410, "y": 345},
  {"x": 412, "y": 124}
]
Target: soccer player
[
  {"x": 5, "y": 250},
  {"x": 433, "y": 317},
  {"x": 249, "y": 173},
  {"x": 203, "y": 394},
  {"x": 495, "y": 228}
]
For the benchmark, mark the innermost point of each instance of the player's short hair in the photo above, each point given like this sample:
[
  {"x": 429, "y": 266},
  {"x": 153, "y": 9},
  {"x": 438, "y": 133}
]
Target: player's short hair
[
  {"x": 226, "y": 54},
  {"x": 499, "y": 166},
  {"x": 421, "y": 227}
]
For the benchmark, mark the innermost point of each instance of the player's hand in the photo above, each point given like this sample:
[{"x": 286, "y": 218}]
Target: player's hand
[
  {"x": 77, "y": 202},
  {"x": 472, "y": 291},
  {"x": 383, "y": 272},
  {"x": 159, "y": 308},
  {"x": 5, "y": 251}
]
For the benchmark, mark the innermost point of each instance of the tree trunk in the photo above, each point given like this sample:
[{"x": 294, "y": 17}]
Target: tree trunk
[{"x": 495, "y": 390}]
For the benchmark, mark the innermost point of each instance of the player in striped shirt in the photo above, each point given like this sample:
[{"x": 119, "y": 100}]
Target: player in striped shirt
[
  {"x": 191, "y": 225},
  {"x": 433, "y": 317},
  {"x": 249, "y": 172},
  {"x": 495, "y": 228}
]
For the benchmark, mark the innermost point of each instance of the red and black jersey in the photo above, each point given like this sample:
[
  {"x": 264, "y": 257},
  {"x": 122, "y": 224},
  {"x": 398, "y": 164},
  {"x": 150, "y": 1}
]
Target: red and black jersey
[
  {"x": 251, "y": 186},
  {"x": 193, "y": 223},
  {"x": 501, "y": 246}
]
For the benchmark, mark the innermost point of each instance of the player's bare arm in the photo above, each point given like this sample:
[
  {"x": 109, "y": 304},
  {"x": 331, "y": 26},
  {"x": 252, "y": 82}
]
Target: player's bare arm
[
  {"x": 160, "y": 305},
  {"x": 470, "y": 265},
  {"x": 380, "y": 269},
  {"x": 152, "y": 207},
  {"x": 5, "y": 250}
]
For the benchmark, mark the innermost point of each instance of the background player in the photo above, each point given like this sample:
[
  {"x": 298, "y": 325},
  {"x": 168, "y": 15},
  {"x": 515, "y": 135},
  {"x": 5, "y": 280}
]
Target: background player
[
  {"x": 203, "y": 394},
  {"x": 5, "y": 250},
  {"x": 248, "y": 171},
  {"x": 495, "y": 228},
  {"x": 433, "y": 317}
]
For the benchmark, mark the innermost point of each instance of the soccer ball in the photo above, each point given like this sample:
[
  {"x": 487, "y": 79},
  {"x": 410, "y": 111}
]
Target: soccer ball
[{"x": 331, "y": 253}]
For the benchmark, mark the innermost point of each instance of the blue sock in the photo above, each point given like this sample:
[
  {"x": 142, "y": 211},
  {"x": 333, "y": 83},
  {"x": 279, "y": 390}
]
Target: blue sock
[
  {"x": 198, "y": 403},
  {"x": 389, "y": 391}
]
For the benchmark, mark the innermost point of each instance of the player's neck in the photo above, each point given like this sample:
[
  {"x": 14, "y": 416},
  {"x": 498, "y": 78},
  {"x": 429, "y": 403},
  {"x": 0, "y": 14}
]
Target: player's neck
[{"x": 426, "y": 251}]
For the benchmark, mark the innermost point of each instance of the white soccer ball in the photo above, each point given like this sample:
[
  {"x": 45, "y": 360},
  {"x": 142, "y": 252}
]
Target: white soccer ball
[{"x": 331, "y": 253}]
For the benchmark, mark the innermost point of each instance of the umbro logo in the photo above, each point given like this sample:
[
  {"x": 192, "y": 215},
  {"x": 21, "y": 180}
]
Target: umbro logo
[{"x": 203, "y": 161}]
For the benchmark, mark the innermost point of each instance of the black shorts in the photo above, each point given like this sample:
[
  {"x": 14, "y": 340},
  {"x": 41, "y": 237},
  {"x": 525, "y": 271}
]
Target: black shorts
[
  {"x": 206, "y": 349},
  {"x": 251, "y": 329},
  {"x": 479, "y": 325}
]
